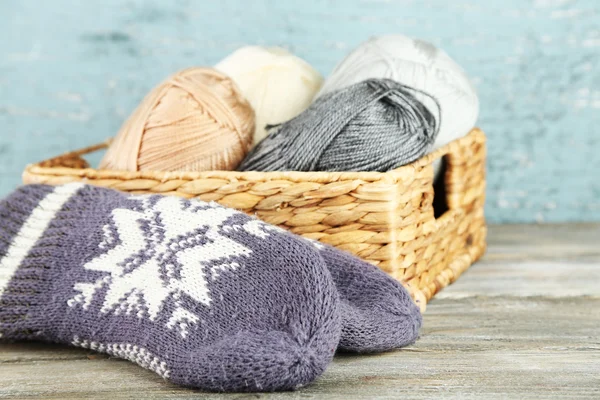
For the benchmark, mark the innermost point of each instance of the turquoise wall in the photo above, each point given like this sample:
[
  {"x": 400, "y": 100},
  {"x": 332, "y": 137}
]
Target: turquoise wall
[{"x": 71, "y": 71}]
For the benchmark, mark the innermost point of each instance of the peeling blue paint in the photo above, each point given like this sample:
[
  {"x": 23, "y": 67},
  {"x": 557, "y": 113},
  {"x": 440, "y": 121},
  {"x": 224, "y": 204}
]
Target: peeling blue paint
[{"x": 70, "y": 73}]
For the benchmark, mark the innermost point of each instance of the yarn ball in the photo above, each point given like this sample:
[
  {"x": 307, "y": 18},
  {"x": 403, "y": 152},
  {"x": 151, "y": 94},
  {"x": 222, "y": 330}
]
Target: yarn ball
[
  {"x": 420, "y": 65},
  {"x": 374, "y": 125},
  {"x": 196, "y": 120},
  {"x": 278, "y": 84}
]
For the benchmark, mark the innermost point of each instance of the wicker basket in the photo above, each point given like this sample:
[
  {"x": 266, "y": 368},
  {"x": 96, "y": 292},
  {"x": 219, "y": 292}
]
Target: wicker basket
[{"x": 385, "y": 218}]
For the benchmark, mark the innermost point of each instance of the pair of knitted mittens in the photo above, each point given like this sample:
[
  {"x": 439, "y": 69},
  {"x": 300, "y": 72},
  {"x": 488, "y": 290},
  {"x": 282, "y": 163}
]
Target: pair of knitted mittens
[{"x": 203, "y": 295}]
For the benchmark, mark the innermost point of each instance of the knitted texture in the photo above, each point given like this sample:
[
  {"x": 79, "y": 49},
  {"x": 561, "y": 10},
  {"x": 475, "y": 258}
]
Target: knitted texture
[
  {"x": 203, "y": 295},
  {"x": 375, "y": 125},
  {"x": 377, "y": 311}
]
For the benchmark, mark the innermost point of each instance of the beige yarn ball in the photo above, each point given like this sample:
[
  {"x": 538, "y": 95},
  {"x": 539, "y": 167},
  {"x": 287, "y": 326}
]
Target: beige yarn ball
[
  {"x": 278, "y": 84},
  {"x": 196, "y": 120}
]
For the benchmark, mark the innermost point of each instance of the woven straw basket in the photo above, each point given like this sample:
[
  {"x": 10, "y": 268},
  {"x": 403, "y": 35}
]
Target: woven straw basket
[{"x": 385, "y": 218}]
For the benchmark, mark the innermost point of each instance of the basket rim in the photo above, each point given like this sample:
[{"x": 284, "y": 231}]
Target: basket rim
[{"x": 406, "y": 172}]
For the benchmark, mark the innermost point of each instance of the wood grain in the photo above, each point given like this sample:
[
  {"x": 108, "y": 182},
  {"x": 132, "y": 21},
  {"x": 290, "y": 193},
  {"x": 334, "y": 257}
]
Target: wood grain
[
  {"x": 536, "y": 260},
  {"x": 71, "y": 72},
  {"x": 506, "y": 329}
]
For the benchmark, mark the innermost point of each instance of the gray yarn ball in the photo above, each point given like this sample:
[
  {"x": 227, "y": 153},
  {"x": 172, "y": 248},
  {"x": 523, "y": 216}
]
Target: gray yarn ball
[{"x": 374, "y": 125}]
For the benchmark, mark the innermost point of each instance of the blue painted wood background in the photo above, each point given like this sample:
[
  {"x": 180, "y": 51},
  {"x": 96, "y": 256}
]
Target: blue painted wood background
[{"x": 71, "y": 71}]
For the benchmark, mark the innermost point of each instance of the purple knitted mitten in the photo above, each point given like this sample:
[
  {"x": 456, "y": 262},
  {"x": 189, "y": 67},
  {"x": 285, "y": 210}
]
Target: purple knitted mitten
[
  {"x": 203, "y": 295},
  {"x": 378, "y": 313}
]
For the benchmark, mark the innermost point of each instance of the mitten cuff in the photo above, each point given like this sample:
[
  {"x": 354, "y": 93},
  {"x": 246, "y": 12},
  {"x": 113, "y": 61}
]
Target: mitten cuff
[{"x": 29, "y": 235}]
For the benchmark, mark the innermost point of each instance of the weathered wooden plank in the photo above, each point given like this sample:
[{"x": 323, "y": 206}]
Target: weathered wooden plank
[
  {"x": 483, "y": 347},
  {"x": 578, "y": 242},
  {"x": 535, "y": 260},
  {"x": 528, "y": 278},
  {"x": 523, "y": 323}
]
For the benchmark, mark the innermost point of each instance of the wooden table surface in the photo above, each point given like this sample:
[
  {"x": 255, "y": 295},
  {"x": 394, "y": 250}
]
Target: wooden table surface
[{"x": 522, "y": 323}]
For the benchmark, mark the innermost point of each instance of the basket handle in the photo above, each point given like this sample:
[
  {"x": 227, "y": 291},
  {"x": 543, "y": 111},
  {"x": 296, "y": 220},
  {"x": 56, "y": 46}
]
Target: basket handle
[
  {"x": 74, "y": 159},
  {"x": 464, "y": 180}
]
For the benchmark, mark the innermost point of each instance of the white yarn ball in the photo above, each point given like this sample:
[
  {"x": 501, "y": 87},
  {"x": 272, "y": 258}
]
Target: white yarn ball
[
  {"x": 422, "y": 66},
  {"x": 278, "y": 85}
]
